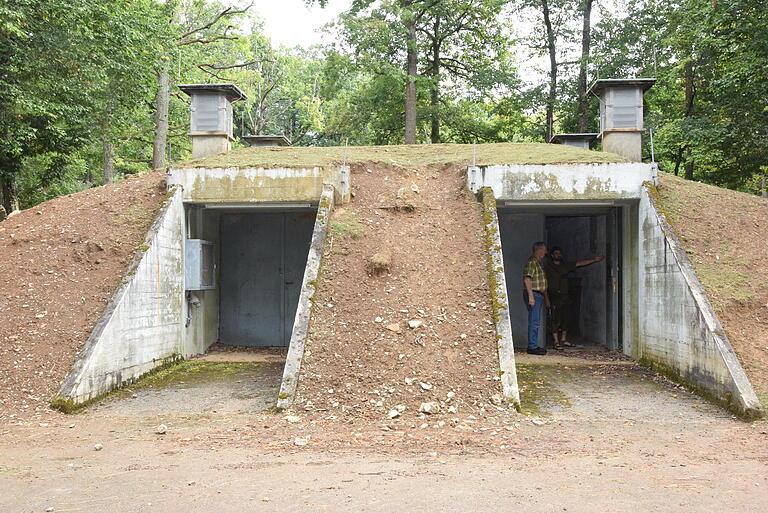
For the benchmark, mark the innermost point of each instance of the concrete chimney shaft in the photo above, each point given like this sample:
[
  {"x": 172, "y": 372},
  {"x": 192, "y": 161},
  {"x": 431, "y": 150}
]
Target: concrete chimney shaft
[
  {"x": 211, "y": 117},
  {"x": 621, "y": 114}
]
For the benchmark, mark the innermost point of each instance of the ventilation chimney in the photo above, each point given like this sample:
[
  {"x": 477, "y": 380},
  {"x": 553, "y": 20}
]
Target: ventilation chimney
[
  {"x": 621, "y": 114},
  {"x": 267, "y": 140},
  {"x": 578, "y": 140},
  {"x": 211, "y": 117}
]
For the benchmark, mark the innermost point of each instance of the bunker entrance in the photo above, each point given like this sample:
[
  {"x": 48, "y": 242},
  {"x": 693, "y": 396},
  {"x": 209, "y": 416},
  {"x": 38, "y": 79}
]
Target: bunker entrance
[
  {"x": 593, "y": 310},
  {"x": 262, "y": 260}
]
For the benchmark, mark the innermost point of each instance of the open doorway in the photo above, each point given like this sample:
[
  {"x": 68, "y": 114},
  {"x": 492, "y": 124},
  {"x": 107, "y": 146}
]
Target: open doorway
[{"x": 582, "y": 231}]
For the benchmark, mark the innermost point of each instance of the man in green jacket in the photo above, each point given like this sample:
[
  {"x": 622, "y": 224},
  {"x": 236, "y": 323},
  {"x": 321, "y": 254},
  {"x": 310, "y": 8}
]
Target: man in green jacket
[{"x": 557, "y": 269}]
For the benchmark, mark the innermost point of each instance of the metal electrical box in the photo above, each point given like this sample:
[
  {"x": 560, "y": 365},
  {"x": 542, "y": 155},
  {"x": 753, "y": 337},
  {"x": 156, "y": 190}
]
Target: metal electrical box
[{"x": 199, "y": 265}]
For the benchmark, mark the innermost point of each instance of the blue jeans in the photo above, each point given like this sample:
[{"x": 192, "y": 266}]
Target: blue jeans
[{"x": 534, "y": 317}]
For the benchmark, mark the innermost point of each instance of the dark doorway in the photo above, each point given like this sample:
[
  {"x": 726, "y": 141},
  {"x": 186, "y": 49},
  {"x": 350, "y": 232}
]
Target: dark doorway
[
  {"x": 582, "y": 232},
  {"x": 263, "y": 256}
]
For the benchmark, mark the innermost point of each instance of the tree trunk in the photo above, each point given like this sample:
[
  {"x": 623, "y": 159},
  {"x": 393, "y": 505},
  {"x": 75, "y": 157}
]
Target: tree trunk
[
  {"x": 410, "y": 90},
  {"x": 434, "y": 94},
  {"x": 689, "y": 168},
  {"x": 162, "y": 100},
  {"x": 690, "y": 95},
  {"x": 109, "y": 162},
  {"x": 10, "y": 194},
  {"x": 552, "y": 71},
  {"x": 582, "y": 86}
]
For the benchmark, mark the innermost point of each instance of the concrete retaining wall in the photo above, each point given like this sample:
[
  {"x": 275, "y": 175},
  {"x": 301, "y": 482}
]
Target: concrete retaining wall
[
  {"x": 254, "y": 185},
  {"x": 562, "y": 182},
  {"x": 142, "y": 326},
  {"x": 300, "y": 330},
  {"x": 498, "y": 285},
  {"x": 679, "y": 332}
]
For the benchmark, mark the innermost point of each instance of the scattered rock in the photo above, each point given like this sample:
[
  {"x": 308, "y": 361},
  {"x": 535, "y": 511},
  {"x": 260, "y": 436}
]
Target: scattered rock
[
  {"x": 426, "y": 386},
  {"x": 414, "y": 323},
  {"x": 161, "y": 429},
  {"x": 98, "y": 447},
  {"x": 537, "y": 422},
  {"x": 2, "y": 212},
  {"x": 190, "y": 483},
  {"x": 292, "y": 419},
  {"x": 394, "y": 327},
  {"x": 400, "y": 408},
  {"x": 452, "y": 409},
  {"x": 378, "y": 319},
  {"x": 393, "y": 414},
  {"x": 301, "y": 441},
  {"x": 450, "y": 395},
  {"x": 497, "y": 399},
  {"x": 429, "y": 408}
]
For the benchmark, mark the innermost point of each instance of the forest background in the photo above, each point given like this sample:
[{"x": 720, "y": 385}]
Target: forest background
[{"x": 88, "y": 89}]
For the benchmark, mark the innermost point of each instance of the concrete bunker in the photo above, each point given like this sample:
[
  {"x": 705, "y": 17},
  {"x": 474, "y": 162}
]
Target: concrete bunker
[{"x": 595, "y": 292}]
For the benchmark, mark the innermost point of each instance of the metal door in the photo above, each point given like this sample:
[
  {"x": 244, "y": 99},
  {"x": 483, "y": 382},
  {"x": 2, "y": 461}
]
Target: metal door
[
  {"x": 613, "y": 268},
  {"x": 263, "y": 256}
]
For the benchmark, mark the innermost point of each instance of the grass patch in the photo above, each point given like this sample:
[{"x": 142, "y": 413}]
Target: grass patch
[
  {"x": 191, "y": 372},
  {"x": 726, "y": 282},
  {"x": 406, "y": 155},
  {"x": 537, "y": 392},
  {"x": 346, "y": 225}
]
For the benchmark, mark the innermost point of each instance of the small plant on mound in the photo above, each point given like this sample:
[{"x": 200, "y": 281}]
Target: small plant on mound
[{"x": 346, "y": 224}]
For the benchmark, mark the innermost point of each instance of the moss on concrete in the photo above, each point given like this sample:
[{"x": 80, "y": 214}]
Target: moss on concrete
[
  {"x": 537, "y": 391},
  {"x": 727, "y": 401},
  {"x": 190, "y": 372},
  {"x": 407, "y": 155}
]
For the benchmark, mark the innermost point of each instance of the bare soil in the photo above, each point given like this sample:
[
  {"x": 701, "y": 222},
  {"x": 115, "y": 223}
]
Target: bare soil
[
  {"x": 726, "y": 236},
  {"x": 61, "y": 262},
  {"x": 605, "y": 436},
  {"x": 363, "y": 358}
]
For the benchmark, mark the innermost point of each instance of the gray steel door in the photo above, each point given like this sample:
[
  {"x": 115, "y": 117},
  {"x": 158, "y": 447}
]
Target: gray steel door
[
  {"x": 613, "y": 267},
  {"x": 263, "y": 257}
]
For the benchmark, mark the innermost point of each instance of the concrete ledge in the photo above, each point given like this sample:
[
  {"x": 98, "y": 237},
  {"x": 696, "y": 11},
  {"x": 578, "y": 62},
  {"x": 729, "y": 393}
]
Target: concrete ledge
[
  {"x": 498, "y": 286},
  {"x": 259, "y": 184},
  {"x": 680, "y": 334},
  {"x": 142, "y": 325},
  {"x": 562, "y": 181},
  {"x": 300, "y": 330}
]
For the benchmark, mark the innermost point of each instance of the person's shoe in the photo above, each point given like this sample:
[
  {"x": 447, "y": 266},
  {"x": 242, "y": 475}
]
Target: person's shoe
[{"x": 538, "y": 350}]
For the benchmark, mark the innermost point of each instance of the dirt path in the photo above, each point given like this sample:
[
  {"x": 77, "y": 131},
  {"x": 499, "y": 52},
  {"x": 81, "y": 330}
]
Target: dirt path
[
  {"x": 419, "y": 328},
  {"x": 600, "y": 436}
]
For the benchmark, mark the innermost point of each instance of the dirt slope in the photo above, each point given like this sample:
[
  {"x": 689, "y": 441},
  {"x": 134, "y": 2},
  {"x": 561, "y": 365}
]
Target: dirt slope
[
  {"x": 60, "y": 262},
  {"x": 726, "y": 236},
  {"x": 363, "y": 359}
]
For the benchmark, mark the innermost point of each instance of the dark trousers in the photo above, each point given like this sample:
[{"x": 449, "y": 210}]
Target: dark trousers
[{"x": 561, "y": 311}]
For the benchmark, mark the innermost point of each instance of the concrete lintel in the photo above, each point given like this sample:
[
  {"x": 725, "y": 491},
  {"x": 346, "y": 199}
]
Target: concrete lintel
[
  {"x": 300, "y": 330},
  {"x": 563, "y": 181},
  {"x": 498, "y": 286},
  {"x": 259, "y": 184}
]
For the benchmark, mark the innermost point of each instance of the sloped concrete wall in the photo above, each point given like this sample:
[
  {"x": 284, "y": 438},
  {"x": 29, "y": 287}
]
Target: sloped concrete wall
[
  {"x": 679, "y": 332},
  {"x": 498, "y": 286},
  {"x": 258, "y": 184},
  {"x": 292, "y": 369},
  {"x": 562, "y": 182},
  {"x": 142, "y": 326}
]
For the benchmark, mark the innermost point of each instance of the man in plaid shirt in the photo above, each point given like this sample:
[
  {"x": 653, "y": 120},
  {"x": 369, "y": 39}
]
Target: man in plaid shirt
[{"x": 535, "y": 295}]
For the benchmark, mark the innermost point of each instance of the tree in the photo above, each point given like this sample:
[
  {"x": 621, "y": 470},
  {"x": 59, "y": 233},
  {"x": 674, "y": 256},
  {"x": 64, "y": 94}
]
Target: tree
[
  {"x": 59, "y": 61},
  {"x": 196, "y": 23}
]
